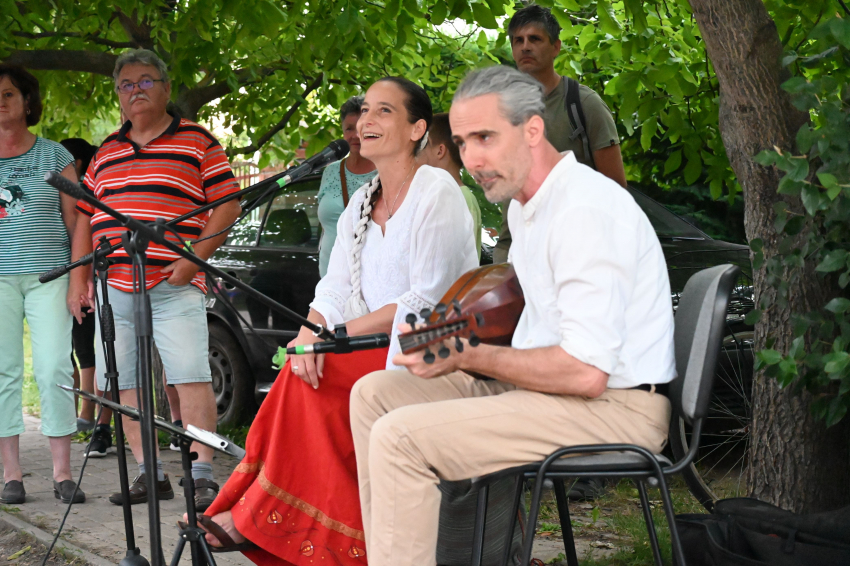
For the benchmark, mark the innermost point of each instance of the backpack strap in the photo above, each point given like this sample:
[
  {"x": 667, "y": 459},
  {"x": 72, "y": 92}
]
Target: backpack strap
[
  {"x": 344, "y": 182},
  {"x": 572, "y": 104}
]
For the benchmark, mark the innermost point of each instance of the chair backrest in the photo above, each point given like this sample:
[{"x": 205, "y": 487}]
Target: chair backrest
[
  {"x": 286, "y": 227},
  {"x": 700, "y": 324}
]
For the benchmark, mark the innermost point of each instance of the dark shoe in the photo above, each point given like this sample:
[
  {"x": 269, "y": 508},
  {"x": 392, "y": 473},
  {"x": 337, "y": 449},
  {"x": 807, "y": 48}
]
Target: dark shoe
[
  {"x": 139, "y": 491},
  {"x": 64, "y": 491},
  {"x": 101, "y": 442},
  {"x": 227, "y": 543},
  {"x": 586, "y": 489},
  {"x": 205, "y": 493},
  {"x": 13, "y": 493}
]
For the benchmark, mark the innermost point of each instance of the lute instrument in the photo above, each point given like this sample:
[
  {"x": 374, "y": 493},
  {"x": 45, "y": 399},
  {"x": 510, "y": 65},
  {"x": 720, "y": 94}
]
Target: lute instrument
[{"x": 483, "y": 305}]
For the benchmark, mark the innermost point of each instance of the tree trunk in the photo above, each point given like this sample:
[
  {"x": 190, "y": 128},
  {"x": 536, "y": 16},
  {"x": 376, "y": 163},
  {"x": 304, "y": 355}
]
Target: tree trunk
[{"x": 795, "y": 462}]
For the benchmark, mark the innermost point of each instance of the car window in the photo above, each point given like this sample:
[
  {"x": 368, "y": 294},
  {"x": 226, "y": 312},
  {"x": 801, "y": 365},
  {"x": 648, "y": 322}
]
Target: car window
[
  {"x": 292, "y": 219},
  {"x": 666, "y": 224},
  {"x": 246, "y": 230}
]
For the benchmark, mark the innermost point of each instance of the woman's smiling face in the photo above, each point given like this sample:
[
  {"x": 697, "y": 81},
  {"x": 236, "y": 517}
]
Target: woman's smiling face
[{"x": 384, "y": 128}]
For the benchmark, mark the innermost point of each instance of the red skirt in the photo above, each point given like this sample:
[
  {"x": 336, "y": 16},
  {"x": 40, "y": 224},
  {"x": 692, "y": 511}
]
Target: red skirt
[{"x": 295, "y": 494}]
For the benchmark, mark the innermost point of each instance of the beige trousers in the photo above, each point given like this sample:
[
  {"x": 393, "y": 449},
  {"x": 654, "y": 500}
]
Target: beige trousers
[{"x": 409, "y": 433}]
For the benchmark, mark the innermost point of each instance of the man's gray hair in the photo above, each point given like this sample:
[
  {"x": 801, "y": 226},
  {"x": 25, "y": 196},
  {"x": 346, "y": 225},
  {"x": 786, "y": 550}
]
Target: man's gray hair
[
  {"x": 520, "y": 95},
  {"x": 142, "y": 57}
]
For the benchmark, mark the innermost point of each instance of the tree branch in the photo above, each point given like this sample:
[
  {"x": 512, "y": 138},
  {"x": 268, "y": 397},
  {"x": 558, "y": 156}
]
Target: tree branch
[
  {"x": 843, "y": 5},
  {"x": 85, "y": 37},
  {"x": 139, "y": 33},
  {"x": 64, "y": 60},
  {"x": 191, "y": 100},
  {"x": 231, "y": 152}
]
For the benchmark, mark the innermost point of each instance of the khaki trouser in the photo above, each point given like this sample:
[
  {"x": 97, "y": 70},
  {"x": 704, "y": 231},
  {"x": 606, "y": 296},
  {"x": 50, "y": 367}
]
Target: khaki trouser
[{"x": 409, "y": 433}]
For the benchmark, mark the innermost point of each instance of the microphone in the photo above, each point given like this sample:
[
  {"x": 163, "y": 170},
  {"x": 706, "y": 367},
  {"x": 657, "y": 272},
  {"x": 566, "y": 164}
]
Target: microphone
[
  {"x": 344, "y": 345},
  {"x": 69, "y": 188},
  {"x": 336, "y": 150}
]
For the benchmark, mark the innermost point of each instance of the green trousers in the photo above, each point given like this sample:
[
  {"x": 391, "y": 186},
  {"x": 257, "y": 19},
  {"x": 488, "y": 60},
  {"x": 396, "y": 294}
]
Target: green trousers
[{"x": 43, "y": 306}]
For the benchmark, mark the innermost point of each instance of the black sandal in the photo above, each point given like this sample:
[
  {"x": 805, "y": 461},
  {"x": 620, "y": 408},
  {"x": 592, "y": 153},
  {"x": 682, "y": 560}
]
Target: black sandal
[{"x": 227, "y": 543}]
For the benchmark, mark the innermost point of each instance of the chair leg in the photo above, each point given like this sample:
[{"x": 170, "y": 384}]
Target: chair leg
[
  {"x": 512, "y": 519},
  {"x": 675, "y": 541},
  {"x": 531, "y": 527},
  {"x": 566, "y": 523},
  {"x": 650, "y": 524},
  {"x": 480, "y": 520}
]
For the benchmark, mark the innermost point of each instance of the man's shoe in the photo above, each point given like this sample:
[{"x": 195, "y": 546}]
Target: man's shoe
[
  {"x": 101, "y": 442},
  {"x": 139, "y": 491},
  {"x": 65, "y": 490},
  {"x": 586, "y": 489},
  {"x": 205, "y": 493},
  {"x": 13, "y": 493}
]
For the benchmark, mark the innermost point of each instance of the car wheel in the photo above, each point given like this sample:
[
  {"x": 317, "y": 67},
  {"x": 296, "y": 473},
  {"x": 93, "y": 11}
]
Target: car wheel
[
  {"x": 719, "y": 468},
  {"x": 233, "y": 382}
]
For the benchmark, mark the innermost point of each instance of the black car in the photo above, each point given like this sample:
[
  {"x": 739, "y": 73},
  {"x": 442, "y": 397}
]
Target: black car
[{"x": 275, "y": 251}]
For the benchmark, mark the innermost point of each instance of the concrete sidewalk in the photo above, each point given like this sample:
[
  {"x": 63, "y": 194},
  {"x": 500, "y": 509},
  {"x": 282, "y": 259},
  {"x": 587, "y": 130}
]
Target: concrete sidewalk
[{"x": 97, "y": 525}]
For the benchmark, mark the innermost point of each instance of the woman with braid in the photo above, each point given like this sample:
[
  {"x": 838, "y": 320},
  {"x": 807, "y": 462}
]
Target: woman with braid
[{"x": 403, "y": 239}]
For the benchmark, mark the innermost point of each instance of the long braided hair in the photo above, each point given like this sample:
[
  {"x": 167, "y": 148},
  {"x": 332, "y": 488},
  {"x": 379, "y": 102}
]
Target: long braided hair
[{"x": 418, "y": 107}]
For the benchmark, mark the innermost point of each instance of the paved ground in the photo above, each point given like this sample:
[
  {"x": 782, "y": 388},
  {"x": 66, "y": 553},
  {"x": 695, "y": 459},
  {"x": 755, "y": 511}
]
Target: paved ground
[{"x": 97, "y": 526}]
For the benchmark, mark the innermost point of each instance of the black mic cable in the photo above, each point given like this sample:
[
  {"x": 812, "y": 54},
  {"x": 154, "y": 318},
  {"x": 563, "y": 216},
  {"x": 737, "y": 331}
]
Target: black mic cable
[{"x": 343, "y": 345}]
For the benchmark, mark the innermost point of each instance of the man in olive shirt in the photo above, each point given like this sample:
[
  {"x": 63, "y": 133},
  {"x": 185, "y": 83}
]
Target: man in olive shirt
[{"x": 533, "y": 32}]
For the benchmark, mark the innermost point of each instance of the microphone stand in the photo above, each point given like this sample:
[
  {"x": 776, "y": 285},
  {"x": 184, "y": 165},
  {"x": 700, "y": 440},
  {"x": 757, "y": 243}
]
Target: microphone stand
[
  {"x": 136, "y": 241},
  {"x": 107, "y": 330}
]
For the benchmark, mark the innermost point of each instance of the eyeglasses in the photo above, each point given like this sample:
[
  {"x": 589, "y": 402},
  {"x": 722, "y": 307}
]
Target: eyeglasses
[{"x": 144, "y": 84}]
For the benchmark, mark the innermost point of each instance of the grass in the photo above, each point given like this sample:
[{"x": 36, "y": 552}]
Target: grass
[{"x": 618, "y": 513}]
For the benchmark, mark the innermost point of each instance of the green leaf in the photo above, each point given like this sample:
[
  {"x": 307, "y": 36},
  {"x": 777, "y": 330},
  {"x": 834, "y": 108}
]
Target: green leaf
[
  {"x": 840, "y": 28},
  {"x": 576, "y": 66},
  {"x": 439, "y": 11},
  {"x": 811, "y": 199},
  {"x": 648, "y": 132},
  {"x": 607, "y": 20},
  {"x": 838, "y": 305},
  {"x": 484, "y": 16},
  {"x": 769, "y": 357},
  {"x": 833, "y": 261},
  {"x": 693, "y": 170},
  {"x": 673, "y": 162},
  {"x": 753, "y": 317},
  {"x": 798, "y": 168}
]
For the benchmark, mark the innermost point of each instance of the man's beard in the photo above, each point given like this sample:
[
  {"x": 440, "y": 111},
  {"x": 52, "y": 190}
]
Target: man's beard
[{"x": 500, "y": 188}]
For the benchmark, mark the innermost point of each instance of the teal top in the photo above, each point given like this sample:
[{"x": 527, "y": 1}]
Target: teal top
[
  {"x": 33, "y": 237},
  {"x": 330, "y": 206},
  {"x": 475, "y": 211}
]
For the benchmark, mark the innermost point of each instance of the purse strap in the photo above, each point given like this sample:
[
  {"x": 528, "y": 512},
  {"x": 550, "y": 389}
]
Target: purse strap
[{"x": 344, "y": 182}]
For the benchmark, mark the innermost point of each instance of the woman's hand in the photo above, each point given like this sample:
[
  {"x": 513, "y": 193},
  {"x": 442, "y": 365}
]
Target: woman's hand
[{"x": 307, "y": 366}]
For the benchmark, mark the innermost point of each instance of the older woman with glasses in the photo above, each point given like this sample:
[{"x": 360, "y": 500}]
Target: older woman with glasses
[{"x": 36, "y": 228}]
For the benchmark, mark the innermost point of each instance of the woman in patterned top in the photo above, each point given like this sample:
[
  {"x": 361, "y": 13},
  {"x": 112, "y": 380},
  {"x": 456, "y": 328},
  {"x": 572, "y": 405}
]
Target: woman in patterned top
[
  {"x": 36, "y": 224},
  {"x": 404, "y": 238},
  {"x": 340, "y": 179}
]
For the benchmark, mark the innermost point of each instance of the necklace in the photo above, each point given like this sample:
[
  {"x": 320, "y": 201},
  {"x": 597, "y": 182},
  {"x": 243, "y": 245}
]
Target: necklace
[{"x": 390, "y": 214}]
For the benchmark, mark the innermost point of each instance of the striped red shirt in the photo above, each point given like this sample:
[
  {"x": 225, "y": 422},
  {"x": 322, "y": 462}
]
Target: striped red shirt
[{"x": 173, "y": 174}]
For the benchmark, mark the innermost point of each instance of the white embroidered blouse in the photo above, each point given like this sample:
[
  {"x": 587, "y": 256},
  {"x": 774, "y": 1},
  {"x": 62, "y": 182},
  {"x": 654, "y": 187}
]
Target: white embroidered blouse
[{"x": 428, "y": 245}]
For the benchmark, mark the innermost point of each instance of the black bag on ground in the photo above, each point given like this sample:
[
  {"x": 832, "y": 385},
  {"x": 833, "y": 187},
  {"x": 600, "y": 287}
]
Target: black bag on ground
[
  {"x": 748, "y": 532},
  {"x": 457, "y": 523}
]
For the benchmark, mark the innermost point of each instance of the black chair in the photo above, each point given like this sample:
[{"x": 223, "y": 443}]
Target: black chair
[{"x": 700, "y": 321}]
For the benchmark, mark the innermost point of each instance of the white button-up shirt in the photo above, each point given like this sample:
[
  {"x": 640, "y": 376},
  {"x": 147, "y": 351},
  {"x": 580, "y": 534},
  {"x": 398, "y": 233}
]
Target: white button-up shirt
[{"x": 594, "y": 277}]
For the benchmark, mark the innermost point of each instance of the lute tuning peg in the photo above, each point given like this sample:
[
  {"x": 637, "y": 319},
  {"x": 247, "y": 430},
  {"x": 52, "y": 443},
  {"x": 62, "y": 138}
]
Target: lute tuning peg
[
  {"x": 429, "y": 356},
  {"x": 440, "y": 309},
  {"x": 443, "y": 352},
  {"x": 411, "y": 320},
  {"x": 456, "y": 307},
  {"x": 458, "y": 344},
  {"x": 474, "y": 340},
  {"x": 425, "y": 314}
]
